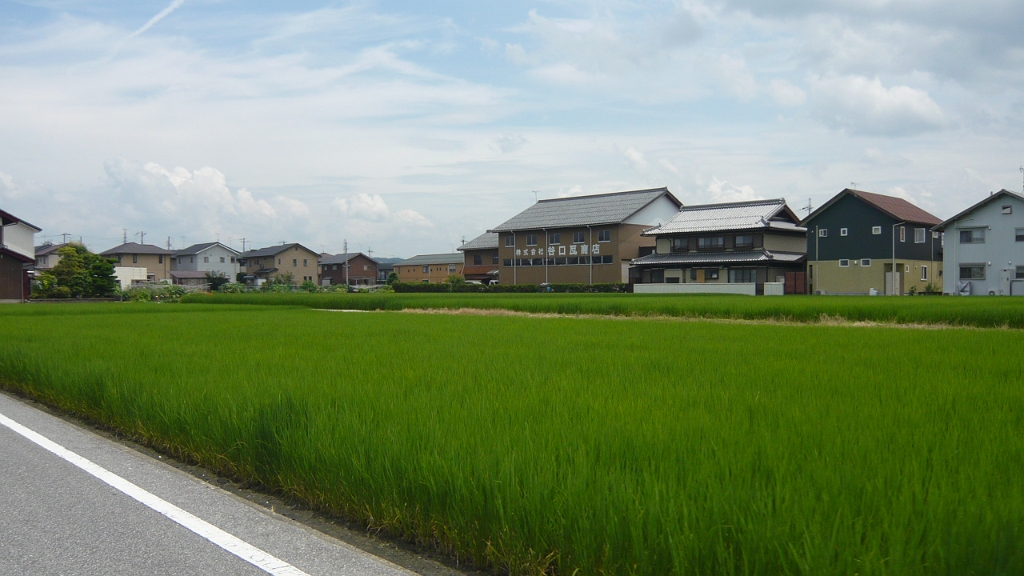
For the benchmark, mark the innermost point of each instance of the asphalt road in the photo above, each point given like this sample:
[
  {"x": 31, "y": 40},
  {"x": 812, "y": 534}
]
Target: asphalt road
[{"x": 57, "y": 518}]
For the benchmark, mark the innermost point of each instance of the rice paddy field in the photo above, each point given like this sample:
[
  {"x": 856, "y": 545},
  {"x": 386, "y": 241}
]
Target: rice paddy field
[
  {"x": 954, "y": 311},
  {"x": 575, "y": 445}
]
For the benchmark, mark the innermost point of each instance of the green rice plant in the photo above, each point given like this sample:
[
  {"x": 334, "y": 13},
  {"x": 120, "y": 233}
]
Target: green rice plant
[
  {"x": 573, "y": 445},
  {"x": 956, "y": 311}
]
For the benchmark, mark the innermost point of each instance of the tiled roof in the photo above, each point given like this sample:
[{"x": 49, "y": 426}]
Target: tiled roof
[
  {"x": 272, "y": 250},
  {"x": 756, "y": 214},
  {"x": 341, "y": 258},
  {"x": 426, "y": 259},
  {"x": 187, "y": 274},
  {"x": 197, "y": 248},
  {"x": 719, "y": 257},
  {"x": 485, "y": 241},
  {"x": 47, "y": 249},
  {"x": 897, "y": 208},
  {"x": 611, "y": 208},
  {"x": 135, "y": 248}
]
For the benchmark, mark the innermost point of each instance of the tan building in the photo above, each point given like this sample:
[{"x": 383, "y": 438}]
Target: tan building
[
  {"x": 481, "y": 258},
  {"x": 142, "y": 261},
  {"x": 584, "y": 239},
  {"x": 431, "y": 268},
  {"x": 274, "y": 261}
]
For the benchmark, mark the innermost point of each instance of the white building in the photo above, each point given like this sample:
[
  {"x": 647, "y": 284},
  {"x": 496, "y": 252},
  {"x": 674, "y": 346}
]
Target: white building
[
  {"x": 17, "y": 255},
  {"x": 984, "y": 252},
  {"x": 212, "y": 257}
]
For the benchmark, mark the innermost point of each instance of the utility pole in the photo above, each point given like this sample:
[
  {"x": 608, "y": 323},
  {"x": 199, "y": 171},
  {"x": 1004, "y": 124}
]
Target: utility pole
[
  {"x": 1022, "y": 175},
  {"x": 809, "y": 208},
  {"x": 142, "y": 237},
  {"x": 346, "y": 264},
  {"x": 168, "y": 243},
  {"x": 243, "y": 244},
  {"x": 65, "y": 235},
  {"x": 125, "y": 235}
]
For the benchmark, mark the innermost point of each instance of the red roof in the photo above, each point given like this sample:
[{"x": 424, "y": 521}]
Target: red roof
[{"x": 897, "y": 208}]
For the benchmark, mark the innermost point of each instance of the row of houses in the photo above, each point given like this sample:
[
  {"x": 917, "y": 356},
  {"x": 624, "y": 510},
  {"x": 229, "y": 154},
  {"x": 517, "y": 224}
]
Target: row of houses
[{"x": 856, "y": 243}]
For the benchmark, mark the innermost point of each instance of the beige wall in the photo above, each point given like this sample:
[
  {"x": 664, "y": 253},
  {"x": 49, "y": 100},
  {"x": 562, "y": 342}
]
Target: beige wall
[
  {"x": 435, "y": 272},
  {"x": 299, "y": 262},
  {"x": 157, "y": 265},
  {"x": 830, "y": 278},
  {"x": 795, "y": 244}
]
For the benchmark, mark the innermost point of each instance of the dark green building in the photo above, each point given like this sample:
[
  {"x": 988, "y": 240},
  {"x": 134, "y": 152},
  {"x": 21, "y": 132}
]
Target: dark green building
[{"x": 856, "y": 239}]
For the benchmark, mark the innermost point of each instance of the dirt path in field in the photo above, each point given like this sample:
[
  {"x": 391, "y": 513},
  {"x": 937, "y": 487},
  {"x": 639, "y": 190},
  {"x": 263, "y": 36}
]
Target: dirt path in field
[{"x": 823, "y": 320}]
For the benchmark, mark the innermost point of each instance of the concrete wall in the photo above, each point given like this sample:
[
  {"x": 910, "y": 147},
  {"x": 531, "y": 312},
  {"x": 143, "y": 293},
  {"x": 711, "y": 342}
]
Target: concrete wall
[
  {"x": 126, "y": 274},
  {"x": 770, "y": 288},
  {"x": 156, "y": 264},
  {"x": 1000, "y": 253}
]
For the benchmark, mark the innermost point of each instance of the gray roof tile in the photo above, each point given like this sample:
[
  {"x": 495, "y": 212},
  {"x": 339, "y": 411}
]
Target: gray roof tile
[
  {"x": 426, "y": 259},
  {"x": 487, "y": 240},
  {"x": 719, "y": 257},
  {"x": 611, "y": 208},
  {"x": 757, "y": 214}
]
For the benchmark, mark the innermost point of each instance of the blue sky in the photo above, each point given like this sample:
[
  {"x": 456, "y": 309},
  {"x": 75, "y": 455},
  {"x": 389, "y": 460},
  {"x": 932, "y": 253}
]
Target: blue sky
[{"x": 405, "y": 126}]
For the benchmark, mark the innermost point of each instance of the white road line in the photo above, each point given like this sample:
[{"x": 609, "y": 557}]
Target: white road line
[{"x": 239, "y": 548}]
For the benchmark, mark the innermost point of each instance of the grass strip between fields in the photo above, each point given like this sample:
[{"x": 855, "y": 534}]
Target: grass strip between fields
[{"x": 981, "y": 312}]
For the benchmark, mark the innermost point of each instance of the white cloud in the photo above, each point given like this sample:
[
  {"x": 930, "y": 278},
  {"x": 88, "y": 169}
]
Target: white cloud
[
  {"x": 7, "y": 188},
  {"x": 509, "y": 143},
  {"x": 735, "y": 78},
  {"x": 373, "y": 208},
  {"x": 861, "y": 105},
  {"x": 786, "y": 94},
  {"x": 723, "y": 191},
  {"x": 636, "y": 159}
]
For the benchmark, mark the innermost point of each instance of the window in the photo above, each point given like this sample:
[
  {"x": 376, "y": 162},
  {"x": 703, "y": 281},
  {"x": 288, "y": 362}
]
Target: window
[
  {"x": 844, "y": 263},
  {"x": 135, "y": 258},
  {"x": 711, "y": 274},
  {"x": 876, "y": 230},
  {"x": 426, "y": 269},
  {"x": 1019, "y": 233},
  {"x": 206, "y": 259},
  {"x": 192, "y": 260},
  {"x": 1007, "y": 209},
  {"x": 295, "y": 262},
  {"x": 903, "y": 233},
  {"x": 531, "y": 239},
  {"x": 680, "y": 244},
  {"x": 451, "y": 268},
  {"x": 906, "y": 268},
  {"x": 305, "y": 262},
  {"x": 972, "y": 271},
  {"x": 510, "y": 241},
  {"x": 924, "y": 272},
  {"x": 604, "y": 236},
  {"x": 494, "y": 258},
  {"x": 658, "y": 276},
  {"x": 1020, "y": 273},
  {"x": 221, "y": 259},
  {"x": 745, "y": 241},
  {"x": 972, "y": 236},
  {"x": 578, "y": 238},
  {"x": 843, "y": 231},
  {"x": 159, "y": 259},
  {"x": 743, "y": 275},
  {"x": 478, "y": 260},
  {"x": 507, "y": 262},
  {"x": 865, "y": 261},
  {"x": 278, "y": 261},
  {"x": 334, "y": 266},
  {"x": 232, "y": 259},
  {"x": 711, "y": 243},
  {"x": 554, "y": 238},
  {"x": 920, "y": 234},
  {"x": 823, "y": 233}
]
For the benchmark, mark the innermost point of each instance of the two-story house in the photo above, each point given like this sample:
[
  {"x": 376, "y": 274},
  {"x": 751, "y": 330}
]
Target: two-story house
[
  {"x": 274, "y": 261},
  {"x": 857, "y": 240},
  {"x": 581, "y": 239},
  {"x": 17, "y": 255},
  {"x": 191, "y": 265},
  {"x": 985, "y": 254},
  {"x": 430, "y": 268},
  {"x": 481, "y": 258},
  {"x": 752, "y": 247},
  {"x": 46, "y": 255},
  {"x": 138, "y": 262},
  {"x": 355, "y": 268}
]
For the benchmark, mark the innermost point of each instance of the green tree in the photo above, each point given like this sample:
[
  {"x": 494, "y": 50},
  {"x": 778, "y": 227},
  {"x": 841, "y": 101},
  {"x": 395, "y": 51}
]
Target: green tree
[
  {"x": 71, "y": 272},
  {"x": 79, "y": 273},
  {"x": 215, "y": 281},
  {"x": 392, "y": 278},
  {"x": 102, "y": 281},
  {"x": 454, "y": 281}
]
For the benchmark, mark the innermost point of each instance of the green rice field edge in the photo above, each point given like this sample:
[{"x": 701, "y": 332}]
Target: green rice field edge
[
  {"x": 984, "y": 312},
  {"x": 573, "y": 446}
]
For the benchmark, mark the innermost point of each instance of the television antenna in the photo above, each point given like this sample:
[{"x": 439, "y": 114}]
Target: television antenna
[
  {"x": 1022, "y": 176},
  {"x": 809, "y": 208}
]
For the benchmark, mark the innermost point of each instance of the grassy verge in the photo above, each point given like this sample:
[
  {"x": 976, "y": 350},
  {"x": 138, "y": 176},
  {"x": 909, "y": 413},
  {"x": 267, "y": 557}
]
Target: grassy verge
[
  {"x": 981, "y": 312},
  {"x": 534, "y": 444}
]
